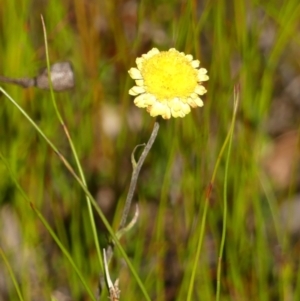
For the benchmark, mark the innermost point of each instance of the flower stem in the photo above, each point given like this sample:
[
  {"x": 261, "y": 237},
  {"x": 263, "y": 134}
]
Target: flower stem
[{"x": 135, "y": 175}]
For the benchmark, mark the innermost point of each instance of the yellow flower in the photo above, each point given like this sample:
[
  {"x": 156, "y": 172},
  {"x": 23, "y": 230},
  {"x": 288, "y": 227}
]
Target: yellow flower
[{"x": 168, "y": 83}]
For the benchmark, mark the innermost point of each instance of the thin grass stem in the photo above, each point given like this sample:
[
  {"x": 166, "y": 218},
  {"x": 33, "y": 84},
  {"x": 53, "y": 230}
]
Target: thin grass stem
[
  {"x": 203, "y": 222},
  {"x": 223, "y": 237},
  {"x": 12, "y": 275},
  {"x": 90, "y": 210}
]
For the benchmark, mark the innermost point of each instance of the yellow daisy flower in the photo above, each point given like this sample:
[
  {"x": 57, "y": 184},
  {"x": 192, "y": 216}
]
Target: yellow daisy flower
[{"x": 168, "y": 83}]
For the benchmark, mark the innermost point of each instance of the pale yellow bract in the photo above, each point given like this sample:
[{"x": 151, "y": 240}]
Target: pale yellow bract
[{"x": 168, "y": 83}]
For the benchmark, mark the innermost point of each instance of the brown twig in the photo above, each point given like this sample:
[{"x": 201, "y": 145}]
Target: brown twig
[
  {"x": 23, "y": 82},
  {"x": 61, "y": 73}
]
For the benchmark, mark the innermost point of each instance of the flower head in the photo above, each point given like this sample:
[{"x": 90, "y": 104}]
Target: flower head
[{"x": 168, "y": 83}]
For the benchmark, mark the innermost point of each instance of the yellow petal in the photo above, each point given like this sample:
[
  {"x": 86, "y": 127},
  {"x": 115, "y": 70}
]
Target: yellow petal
[
  {"x": 151, "y": 53},
  {"x": 139, "y": 60},
  {"x": 200, "y": 90},
  {"x": 149, "y": 99},
  {"x": 202, "y": 75},
  {"x": 139, "y": 101},
  {"x": 136, "y": 90},
  {"x": 135, "y": 73},
  {"x": 195, "y": 64},
  {"x": 179, "y": 109},
  {"x": 139, "y": 82},
  {"x": 189, "y": 57},
  {"x": 195, "y": 102},
  {"x": 202, "y": 70},
  {"x": 186, "y": 108},
  {"x": 160, "y": 109}
]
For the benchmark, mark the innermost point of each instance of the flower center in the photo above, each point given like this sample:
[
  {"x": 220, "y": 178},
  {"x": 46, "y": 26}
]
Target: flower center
[{"x": 168, "y": 75}]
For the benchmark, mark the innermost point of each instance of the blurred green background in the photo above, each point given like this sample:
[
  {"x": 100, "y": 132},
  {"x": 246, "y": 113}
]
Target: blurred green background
[{"x": 251, "y": 43}]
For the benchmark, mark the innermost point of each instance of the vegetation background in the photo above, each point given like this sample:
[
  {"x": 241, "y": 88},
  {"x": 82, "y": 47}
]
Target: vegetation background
[{"x": 252, "y": 43}]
